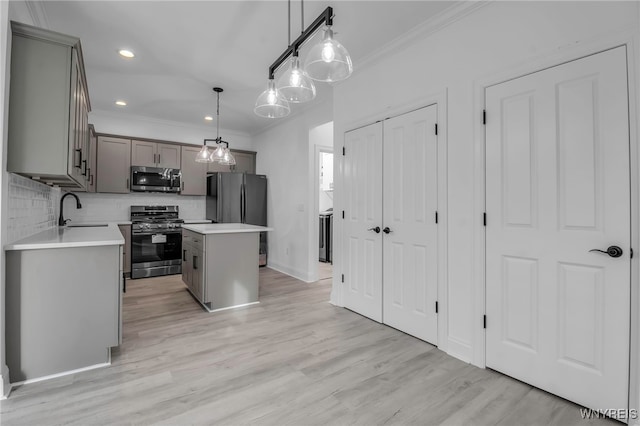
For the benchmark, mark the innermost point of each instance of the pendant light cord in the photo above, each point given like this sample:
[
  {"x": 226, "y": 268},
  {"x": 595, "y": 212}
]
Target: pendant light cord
[
  {"x": 301, "y": 16},
  {"x": 289, "y": 20},
  {"x": 218, "y": 119}
]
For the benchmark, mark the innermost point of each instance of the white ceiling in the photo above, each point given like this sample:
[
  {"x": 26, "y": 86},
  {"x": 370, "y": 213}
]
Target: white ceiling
[{"x": 185, "y": 48}]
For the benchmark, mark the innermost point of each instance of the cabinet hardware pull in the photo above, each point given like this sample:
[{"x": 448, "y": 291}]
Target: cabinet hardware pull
[
  {"x": 84, "y": 166},
  {"x": 158, "y": 158},
  {"x": 79, "y": 158},
  {"x": 195, "y": 262},
  {"x": 127, "y": 183},
  {"x": 91, "y": 180},
  {"x": 184, "y": 255}
]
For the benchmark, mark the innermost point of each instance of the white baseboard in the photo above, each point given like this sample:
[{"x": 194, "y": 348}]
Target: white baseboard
[{"x": 301, "y": 275}]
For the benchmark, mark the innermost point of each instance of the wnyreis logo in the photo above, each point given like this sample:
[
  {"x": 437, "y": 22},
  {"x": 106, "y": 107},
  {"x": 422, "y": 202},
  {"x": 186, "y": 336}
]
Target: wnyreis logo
[{"x": 613, "y": 413}]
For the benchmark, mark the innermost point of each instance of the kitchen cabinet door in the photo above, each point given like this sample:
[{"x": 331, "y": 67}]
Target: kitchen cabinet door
[
  {"x": 48, "y": 87},
  {"x": 217, "y": 167},
  {"x": 143, "y": 153},
  {"x": 113, "y": 165},
  {"x": 194, "y": 175},
  {"x": 91, "y": 170},
  {"x": 245, "y": 162},
  {"x": 168, "y": 155}
]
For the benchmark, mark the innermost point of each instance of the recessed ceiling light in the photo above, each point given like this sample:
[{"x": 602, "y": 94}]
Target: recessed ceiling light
[
  {"x": 126, "y": 53},
  {"x": 208, "y": 118},
  {"x": 121, "y": 103}
]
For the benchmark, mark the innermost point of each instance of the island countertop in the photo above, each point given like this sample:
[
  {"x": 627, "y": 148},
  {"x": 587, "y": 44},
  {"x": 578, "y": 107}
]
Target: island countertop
[
  {"x": 225, "y": 228},
  {"x": 82, "y": 236}
]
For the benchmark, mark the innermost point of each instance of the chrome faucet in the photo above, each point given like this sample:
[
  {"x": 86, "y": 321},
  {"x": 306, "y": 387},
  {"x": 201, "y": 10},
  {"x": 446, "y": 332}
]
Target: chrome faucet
[{"x": 61, "y": 220}]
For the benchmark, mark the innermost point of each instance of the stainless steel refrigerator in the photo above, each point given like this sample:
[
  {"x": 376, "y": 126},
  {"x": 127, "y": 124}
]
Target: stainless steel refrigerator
[{"x": 239, "y": 198}]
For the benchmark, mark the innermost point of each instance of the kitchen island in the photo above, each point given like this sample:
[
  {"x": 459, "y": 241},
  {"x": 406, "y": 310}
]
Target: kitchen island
[
  {"x": 220, "y": 263},
  {"x": 63, "y": 301}
]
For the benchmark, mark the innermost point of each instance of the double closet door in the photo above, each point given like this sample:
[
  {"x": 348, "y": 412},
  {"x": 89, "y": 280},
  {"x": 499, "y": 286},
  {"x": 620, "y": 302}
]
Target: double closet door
[{"x": 390, "y": 230}]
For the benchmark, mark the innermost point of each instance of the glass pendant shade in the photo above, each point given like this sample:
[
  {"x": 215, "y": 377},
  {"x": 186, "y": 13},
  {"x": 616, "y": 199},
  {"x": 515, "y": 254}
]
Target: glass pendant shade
[
  {"x": 204, "y": 156},
  {"x": 294, "y": 85},
  {"x": 218, "y": 154},
  {"x": 228, "y": 159},
  {"x": 271, "y": 104},
  {"x": 328, "y": 60}
]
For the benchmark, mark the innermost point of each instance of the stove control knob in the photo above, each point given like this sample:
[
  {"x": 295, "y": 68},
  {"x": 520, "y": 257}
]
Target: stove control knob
[{"x": 146, "y": 225}]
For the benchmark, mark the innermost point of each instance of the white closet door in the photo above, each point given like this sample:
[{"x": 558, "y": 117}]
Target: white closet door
[
  {"x": 557, "y": 165},
  {"x": 362, "y": 246},
  {"x": 410, "y": 249}
]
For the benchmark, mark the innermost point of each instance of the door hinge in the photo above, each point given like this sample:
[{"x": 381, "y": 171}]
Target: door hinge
[
  {"x": 343, "y": 214},
  {"x": 344, "y": 151},
  {"x": 484, "y": 116},
  {"x": 342, "y": 277},
  {"x": 484, "y": 218},
  {"x": 484, "y": 321},
  {"x": 436, "y": 306},
  {"x": 436, "y": 129},
  {"x": 436, "y": 217}
]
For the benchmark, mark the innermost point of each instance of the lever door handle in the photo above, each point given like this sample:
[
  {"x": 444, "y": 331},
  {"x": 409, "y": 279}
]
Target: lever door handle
[
  {"x": 386, "y": 230},
  {"x": 376, "y": 229},
  {"x": 613, "y": 251}
]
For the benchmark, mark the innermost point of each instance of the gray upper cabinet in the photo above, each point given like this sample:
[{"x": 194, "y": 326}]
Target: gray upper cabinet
[
  {"x": 113, "y": 164},
  {"x": 48, "y": 108},
  {"x": 245, "y": 162},
  {"x": 194, "y": 175},
  {"x": 154, "y": 154}
]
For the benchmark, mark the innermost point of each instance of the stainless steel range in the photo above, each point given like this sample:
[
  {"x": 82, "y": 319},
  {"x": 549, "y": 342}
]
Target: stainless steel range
[{"x": 156, "y": 241}]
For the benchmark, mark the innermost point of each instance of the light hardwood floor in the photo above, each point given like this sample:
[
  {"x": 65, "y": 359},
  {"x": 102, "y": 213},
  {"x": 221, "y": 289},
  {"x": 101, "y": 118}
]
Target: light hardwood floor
[{"x": 292, "y": 359}]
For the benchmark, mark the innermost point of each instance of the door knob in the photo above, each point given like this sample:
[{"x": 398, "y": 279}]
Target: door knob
[
  {"x": 386, "y": 230},
  {"x": 613, "y": 251},
  {"x": 376, "y": 229}
]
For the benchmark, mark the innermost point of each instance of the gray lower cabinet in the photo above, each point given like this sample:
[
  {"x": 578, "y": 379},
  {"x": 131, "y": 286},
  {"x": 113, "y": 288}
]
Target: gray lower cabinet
[
  {"x": 193, "y": 265},
  {"x": 48, "y": 137},
  {"x": 113, "y": 165},
  {"x": 63, "y": 309}
]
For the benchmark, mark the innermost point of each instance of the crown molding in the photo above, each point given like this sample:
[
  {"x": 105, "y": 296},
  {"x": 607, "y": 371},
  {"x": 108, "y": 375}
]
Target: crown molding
[
  {"x": 452, "y": 14},
  {"x": 153, "y": 120},
  {"x": 38, "y": 13}
]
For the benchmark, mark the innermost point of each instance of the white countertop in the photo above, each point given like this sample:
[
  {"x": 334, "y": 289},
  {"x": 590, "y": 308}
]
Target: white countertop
[
  {"x": 70, "y": 237},
  {"x": 225, "y": 228},
  {"x": 196, "y": 221}
]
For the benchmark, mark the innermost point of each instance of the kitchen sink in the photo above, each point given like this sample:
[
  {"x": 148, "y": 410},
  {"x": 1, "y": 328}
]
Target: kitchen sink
[{"x": 87, "y": 225}]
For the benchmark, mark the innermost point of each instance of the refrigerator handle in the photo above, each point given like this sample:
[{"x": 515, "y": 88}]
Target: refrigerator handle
[{"x": 243, "y": 204}]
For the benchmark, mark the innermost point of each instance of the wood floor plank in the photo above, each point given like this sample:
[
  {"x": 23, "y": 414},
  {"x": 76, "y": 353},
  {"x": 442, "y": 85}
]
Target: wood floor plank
[{"x": 292, "y": 359}]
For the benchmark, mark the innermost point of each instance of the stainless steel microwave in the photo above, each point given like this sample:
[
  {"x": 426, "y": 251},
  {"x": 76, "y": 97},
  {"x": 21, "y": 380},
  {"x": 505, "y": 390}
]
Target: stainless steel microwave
[{"x": 155, "y": 179}]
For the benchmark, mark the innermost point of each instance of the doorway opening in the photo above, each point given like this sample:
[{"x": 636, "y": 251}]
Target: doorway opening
[{"x": 321, "y": 214}]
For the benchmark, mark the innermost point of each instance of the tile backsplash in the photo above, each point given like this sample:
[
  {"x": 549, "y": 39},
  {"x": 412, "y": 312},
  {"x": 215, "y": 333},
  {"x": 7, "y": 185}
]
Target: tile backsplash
[
  {"x": 32, "y": 207},
  {"x": 116, "y": 207}
]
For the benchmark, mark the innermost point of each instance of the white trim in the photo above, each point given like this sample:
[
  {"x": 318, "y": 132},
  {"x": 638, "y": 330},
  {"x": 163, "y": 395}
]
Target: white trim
[
  {"x": 230, "y": 307},
  {"x": 6, "y": 385},
  {"x": 432, "y": 25},
  {"x": 628, "y": 37},
  {"x": 314, "y": 218},
  {"x": 65, "y": 373},
  {"x": 440, "y": 100},
  {"x": 295, "y": 273}
]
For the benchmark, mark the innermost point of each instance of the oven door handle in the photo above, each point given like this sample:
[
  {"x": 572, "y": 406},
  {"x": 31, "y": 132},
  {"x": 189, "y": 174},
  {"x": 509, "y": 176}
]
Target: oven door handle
[{"x": 155, "y": 233}]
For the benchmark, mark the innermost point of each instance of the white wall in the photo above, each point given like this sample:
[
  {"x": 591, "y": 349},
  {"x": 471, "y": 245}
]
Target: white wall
[
  {"x": 497, "y": 36},
  {"x": 149, "y": 128},
  {"x": 283, "y": 155}
]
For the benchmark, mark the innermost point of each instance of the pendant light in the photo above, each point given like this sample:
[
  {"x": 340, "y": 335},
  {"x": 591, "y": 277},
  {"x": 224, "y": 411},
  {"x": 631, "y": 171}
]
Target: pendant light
[
  {"x": 271, "y": 104},
  {"x": 328, "y": 60},
  {"x": 221, "y": 154},
  {"x": 294, "y": 84}
]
